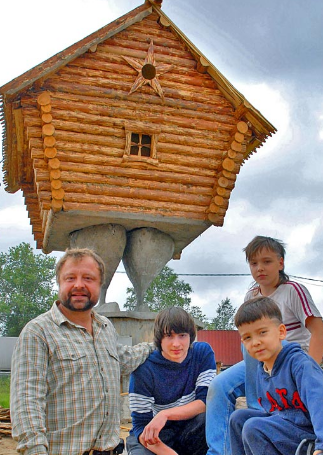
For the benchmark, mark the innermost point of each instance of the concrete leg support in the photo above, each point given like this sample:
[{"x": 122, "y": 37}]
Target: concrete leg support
[{"x": 148, "y": 250}]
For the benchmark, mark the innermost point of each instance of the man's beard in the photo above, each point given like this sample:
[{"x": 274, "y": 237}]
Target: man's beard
[{"x": 68, "y": 303}]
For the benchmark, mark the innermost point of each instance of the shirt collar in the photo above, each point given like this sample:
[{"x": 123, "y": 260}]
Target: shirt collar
[
  {"x": 59, "y": 318},
  {"x": 267, "y": 370}
]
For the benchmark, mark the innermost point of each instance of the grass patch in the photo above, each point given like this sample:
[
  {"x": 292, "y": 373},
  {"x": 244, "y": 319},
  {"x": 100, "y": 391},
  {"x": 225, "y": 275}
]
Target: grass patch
[{"x": 5, "y": 391}]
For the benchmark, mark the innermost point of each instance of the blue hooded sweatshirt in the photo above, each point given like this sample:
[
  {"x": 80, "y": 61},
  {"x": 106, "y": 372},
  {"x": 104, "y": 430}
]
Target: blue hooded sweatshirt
[
  {"x": 294, "y": 390},
  {"x": 160, "y": 384}
]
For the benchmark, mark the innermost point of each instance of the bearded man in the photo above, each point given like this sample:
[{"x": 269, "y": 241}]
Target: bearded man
[{"x": 66, "y": 367}]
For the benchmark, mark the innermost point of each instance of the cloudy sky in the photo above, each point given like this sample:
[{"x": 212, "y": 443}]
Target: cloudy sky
[{"x": 272, "y": 52}]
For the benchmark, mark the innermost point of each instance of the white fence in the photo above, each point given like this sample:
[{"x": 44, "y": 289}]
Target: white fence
[{"x": 7, "y": 345}]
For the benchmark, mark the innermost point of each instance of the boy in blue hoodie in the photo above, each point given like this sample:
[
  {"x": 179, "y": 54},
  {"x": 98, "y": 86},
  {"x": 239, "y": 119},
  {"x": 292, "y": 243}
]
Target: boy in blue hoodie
[
  {"x": 289, "y": 387},
  {"x": 167, "y": 393}
]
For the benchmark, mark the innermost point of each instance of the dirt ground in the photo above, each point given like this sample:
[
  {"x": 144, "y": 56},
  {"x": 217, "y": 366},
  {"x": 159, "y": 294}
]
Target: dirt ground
[{"x": 8, "y": 445}]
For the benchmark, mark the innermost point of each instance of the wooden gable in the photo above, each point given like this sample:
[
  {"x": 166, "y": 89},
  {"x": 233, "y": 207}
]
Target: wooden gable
[{"x": 131, "y": 126}]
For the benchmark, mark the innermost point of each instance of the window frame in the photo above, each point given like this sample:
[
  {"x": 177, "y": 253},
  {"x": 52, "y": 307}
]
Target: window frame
[{"x": 142, "y": 130}]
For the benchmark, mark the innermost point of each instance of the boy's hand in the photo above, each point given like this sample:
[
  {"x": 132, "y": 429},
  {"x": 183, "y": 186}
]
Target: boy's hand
[
  {"x": 161, "y": 449},
  {"x": 316, "y": 452},
  {"x": 150, "y": 435}
]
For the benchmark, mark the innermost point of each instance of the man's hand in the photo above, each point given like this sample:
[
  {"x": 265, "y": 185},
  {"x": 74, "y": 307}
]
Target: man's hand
[{"x": 150, "y": 435}]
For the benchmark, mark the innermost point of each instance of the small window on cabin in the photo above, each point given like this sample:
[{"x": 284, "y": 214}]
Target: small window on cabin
[
  {"x": 141, "y": 147},
  {"x": 140, "y": 144}
]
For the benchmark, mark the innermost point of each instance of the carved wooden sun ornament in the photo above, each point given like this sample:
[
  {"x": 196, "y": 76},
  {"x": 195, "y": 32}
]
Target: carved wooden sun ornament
[{"x": 148, "y": 71}]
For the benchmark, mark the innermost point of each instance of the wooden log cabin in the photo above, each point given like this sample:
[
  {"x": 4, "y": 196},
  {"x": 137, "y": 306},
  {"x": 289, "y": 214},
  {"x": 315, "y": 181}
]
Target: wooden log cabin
[{"x": 133, "y": 126}]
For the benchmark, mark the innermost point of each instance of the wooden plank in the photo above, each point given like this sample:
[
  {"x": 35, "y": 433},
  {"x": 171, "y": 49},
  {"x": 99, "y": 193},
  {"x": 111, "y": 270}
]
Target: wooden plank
[
  {"x": 89, "y": 207},
  {"x": 116, "y": 138},
  {"x": 172, "y": 86},
  {"x": 184, "y": 62},
  {"x": 130, "y": 203},
  {"x": 149, "y": 175},
  {"x": 107, "y": 88},
  {"x": 91, "y": 123},
  {"x": 125, "y": 193},
  {"x": 97, "y": 164},
  {"x": 116, "y": 64},
  {"x": 18, "y": 160},
  {"x": 126, "y": 108},
  {"x": 121, "y": 69},
  {"x": 161, "y": 38},
  {"x": 79, "y": 177},
  {"x": 79, "y": 92},
  {"x": 179, "y": 149},
  {"x": 142, "y": 44}
]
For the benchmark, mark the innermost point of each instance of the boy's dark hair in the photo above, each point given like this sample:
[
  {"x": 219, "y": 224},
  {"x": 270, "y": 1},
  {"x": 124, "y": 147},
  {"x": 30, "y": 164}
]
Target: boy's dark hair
[
  {"x": 255, "y": 309},
  {"x": 173, "y": 319},
  {"x": 77, "y": 254},
  {"x": 277, "y": 246}
]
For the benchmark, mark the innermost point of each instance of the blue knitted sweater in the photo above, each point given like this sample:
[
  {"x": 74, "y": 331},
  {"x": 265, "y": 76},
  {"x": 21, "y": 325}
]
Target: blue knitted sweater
[{"x": 161, "y": 384}]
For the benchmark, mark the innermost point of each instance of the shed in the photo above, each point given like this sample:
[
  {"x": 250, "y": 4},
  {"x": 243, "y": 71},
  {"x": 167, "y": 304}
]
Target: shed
[
  {"x": 132, "y": 125},
  {"x": 7, "y": 345},
  {"x": 226, "y": 345}
]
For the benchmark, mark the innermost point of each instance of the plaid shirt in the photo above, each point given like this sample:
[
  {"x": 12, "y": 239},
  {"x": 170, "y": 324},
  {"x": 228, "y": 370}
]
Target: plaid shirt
[{"x": 65, "y": 385}]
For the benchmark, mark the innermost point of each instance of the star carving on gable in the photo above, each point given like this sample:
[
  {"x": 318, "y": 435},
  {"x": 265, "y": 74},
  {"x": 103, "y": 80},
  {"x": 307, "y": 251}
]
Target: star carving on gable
[{"x": 148, "y": 71}]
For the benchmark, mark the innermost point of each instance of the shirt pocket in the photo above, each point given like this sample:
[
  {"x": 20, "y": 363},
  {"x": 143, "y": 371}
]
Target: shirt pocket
[
  {"x": 112, "y": 352},
  {"x": 73, "y": 361}
]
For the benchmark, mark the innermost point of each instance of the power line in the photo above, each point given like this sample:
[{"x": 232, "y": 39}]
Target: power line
[
  {"x": 235, "y": 274},
  {"x": 213, "y": 274}
]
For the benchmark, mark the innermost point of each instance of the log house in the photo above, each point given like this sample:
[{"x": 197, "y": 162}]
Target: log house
[{"x": 131, "y": 125}]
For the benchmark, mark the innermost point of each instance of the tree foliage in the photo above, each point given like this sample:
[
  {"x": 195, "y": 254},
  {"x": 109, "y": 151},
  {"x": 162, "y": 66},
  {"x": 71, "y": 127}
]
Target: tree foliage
[
  {"x": 26, "y": 287},
  {"x": 165, "y": 291},
  {"x": 224, "y": 319}
]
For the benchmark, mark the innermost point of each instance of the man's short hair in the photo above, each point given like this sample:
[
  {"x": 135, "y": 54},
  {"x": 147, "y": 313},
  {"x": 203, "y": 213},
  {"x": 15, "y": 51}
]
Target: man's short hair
[
  {"x": 173, "y": 319},
  {"x": 77, "y": 254},
  {"x": 255, "y": 309}
]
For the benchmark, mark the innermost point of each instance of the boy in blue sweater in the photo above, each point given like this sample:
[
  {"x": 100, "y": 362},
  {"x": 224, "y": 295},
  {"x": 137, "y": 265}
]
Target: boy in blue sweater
[
  {"x": 289, "y": 387},
  {"x": 168, "y": 392}
]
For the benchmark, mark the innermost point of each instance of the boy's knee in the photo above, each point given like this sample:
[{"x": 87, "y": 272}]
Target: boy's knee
[
  {"x": 251, "y": 427},
  {"x": 217, "y": 385},
  {"x": 200, "y": 420},
  {"x": 236, "y": 420}
]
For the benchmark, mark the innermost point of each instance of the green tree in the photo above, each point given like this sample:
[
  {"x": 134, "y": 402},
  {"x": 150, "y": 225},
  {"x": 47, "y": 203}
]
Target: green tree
[
  {"x": 166, "y": 290},
  {"x": 224, "y": 319},
  {"x": 26, "y": 287}
]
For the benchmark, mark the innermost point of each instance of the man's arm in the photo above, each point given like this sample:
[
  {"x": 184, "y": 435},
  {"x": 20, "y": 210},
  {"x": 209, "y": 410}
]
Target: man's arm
[
  {"x": 28, "y": 394},
  {"x": 315, "y": 326},
  {"x": 132, "y": 356}
]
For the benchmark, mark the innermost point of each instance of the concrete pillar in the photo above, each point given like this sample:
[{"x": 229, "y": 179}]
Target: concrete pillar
[
  {"x": 108, "y": 241},
  {"x": 147, "y": 252}
]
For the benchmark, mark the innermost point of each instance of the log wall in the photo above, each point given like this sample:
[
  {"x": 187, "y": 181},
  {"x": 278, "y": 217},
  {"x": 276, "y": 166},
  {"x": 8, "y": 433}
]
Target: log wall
[{"x": 75, "y": 128}]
